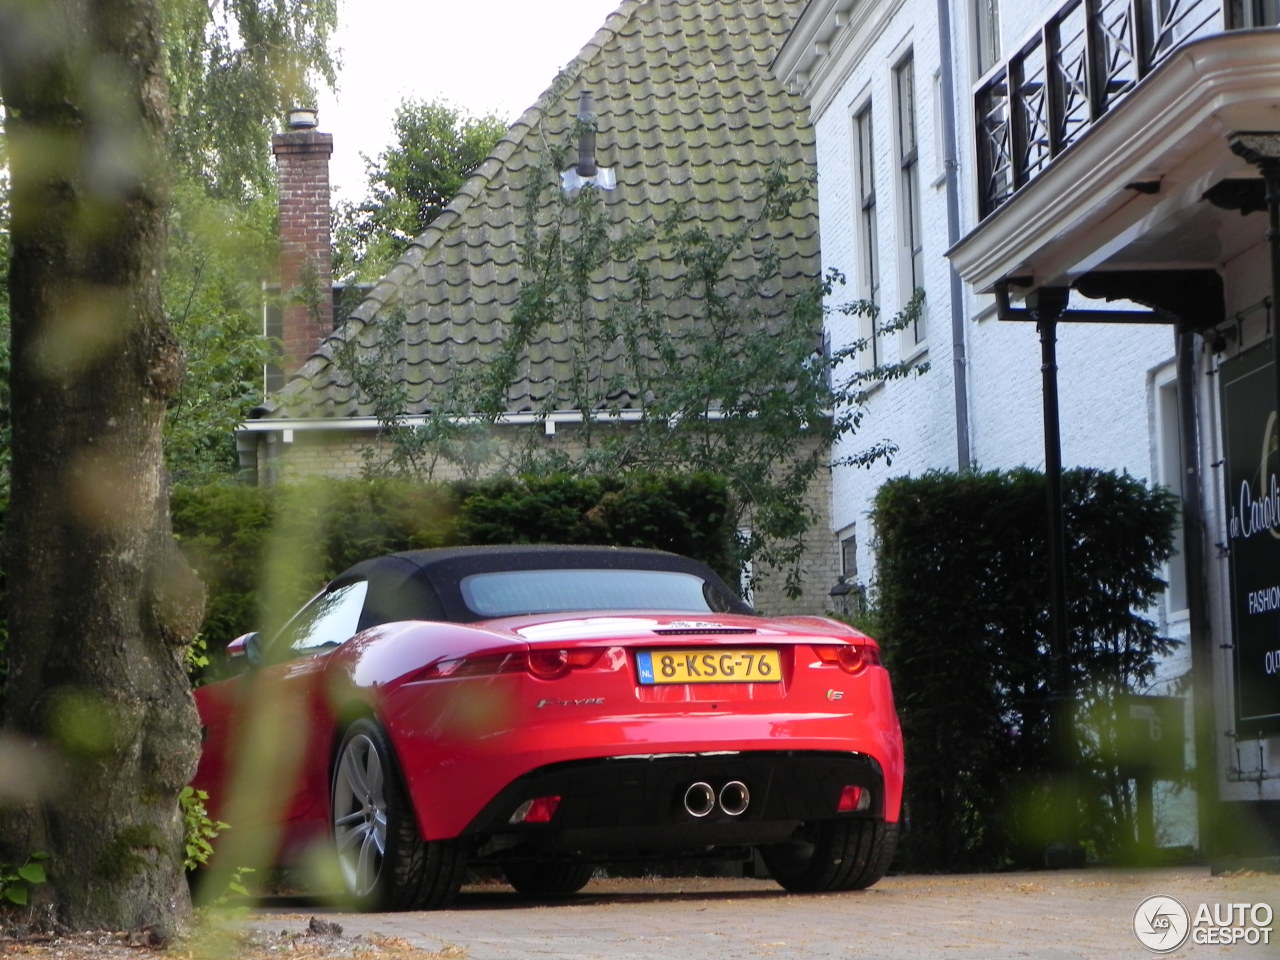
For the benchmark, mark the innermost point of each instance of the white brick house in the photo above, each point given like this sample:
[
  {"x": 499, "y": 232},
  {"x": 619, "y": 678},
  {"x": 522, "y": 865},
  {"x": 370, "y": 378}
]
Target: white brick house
[{"x": 1045, "y": 147}]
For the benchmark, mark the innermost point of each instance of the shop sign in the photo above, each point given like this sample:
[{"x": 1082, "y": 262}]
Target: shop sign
[{"x": 1253, "y": 536}]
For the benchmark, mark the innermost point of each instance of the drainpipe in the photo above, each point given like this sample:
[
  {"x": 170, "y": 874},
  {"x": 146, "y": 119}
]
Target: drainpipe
[
  {"x": 959, "y": 355},
  {"x": 1046, "y": 305}
]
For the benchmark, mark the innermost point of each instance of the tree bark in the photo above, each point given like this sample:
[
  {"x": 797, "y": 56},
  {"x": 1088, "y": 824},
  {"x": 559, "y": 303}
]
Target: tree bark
[{"x": 99, "y": 603}]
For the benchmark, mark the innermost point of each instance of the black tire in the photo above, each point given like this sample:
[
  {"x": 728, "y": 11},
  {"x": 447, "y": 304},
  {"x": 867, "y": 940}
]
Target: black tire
[
  {"x": 383, "y": 861},
  {"x": 830, "y": 855},
  {"x": 548, "y": 879}
]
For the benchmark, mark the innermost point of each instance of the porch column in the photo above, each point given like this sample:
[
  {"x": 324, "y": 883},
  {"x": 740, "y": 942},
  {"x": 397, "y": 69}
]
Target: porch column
[{"x": 1046, "y": 305}]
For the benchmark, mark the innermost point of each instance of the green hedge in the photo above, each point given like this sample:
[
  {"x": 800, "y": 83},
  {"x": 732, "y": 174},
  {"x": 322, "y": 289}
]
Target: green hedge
[
  {"x": 963, "y": 617},
  {"x": 263, "y": 550}
]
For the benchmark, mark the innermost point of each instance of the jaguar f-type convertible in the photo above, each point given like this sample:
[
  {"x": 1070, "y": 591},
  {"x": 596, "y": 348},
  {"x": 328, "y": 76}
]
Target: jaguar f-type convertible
[{"x": 544, "y": 710}]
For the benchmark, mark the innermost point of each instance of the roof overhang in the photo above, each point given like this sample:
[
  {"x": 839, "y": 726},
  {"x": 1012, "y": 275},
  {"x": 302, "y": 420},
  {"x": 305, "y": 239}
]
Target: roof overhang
[
  {"x": 830, "y": 37},
  {"x": 1130, "y": 194}
]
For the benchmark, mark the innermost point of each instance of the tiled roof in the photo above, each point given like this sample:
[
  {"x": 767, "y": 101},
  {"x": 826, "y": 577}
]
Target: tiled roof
[{"x": 687, "y": 110}]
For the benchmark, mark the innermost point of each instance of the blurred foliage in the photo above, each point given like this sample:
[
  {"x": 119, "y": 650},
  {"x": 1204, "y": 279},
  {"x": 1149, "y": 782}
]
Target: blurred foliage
[
  {"x": 963, "y": 617},
  {"x": 263, "y": 551},
  {"x": 234, "y": 68},
  {"x": 6, "y": 422},
  {"x": 218, "y": 255},
  {"x": 437, "y": 147},
  {"x": 6, "y": 451}
]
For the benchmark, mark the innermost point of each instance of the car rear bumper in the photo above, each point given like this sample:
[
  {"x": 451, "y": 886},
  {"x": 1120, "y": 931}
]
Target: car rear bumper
[{"x": 637, "y": 805}]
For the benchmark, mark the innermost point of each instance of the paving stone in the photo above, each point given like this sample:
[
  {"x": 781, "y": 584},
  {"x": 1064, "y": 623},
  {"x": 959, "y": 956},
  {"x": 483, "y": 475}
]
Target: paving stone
[{"x": 1041, "y": 916}]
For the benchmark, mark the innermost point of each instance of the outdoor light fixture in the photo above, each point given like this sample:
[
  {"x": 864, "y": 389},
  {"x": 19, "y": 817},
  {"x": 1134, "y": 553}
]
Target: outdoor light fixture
[
  {"x": 847, "y": 598},
  {"x": 840, "y": 594}
]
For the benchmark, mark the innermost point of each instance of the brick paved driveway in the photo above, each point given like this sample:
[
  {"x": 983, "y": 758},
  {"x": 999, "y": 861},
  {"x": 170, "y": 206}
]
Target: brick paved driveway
[{"x": 1043, "y": 916}]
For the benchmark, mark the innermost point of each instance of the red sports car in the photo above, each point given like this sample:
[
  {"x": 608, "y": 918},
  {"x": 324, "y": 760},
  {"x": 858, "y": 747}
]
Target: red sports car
[{"x": 547, "y": 709}]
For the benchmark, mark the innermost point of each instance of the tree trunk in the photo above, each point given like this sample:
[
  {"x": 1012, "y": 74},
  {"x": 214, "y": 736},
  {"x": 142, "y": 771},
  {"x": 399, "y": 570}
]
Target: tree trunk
[{"x": 99, "y": 604}]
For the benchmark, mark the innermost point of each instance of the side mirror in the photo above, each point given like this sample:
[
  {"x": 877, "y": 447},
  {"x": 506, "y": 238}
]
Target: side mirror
[{"x": 249, "y": 646}]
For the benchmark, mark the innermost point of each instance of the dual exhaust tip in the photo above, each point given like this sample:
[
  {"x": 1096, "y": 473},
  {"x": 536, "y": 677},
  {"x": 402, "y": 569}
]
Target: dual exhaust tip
[{"x": 701, "y": 799}]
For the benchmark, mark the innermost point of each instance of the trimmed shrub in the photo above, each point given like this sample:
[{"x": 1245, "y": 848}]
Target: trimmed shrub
[
  {"x": 685, "y": 514},
  {"x": 962, "y": 597},
  {"x": 263, "y": 550}
]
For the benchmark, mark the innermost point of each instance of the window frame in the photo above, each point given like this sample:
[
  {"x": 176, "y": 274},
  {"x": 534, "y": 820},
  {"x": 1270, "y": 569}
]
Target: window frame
[
  {"x": 1168, "y": 471},
  {"x": 906, "y": 130},
  {"x": 866, "y": 226},
  {"x": 988, "y": 46}
]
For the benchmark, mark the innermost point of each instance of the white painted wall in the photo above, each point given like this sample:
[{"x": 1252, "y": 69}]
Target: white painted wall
[
  {"x": 1104, "y": 370},
  {"x": 1110, "y": 376}
]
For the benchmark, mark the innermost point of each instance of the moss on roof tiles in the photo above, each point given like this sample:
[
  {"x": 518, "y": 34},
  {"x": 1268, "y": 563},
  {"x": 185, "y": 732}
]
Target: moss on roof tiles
[{"x": 688, "y": 112}]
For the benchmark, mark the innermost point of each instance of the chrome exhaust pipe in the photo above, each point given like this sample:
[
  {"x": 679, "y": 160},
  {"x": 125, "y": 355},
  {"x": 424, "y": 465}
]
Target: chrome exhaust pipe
[
  {"x": 735, "y": 798},
  {"x": 699, "y": 799}
]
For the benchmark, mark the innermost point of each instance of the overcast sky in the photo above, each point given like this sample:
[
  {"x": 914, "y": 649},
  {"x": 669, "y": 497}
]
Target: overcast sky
[{"x": 483, "y": 56}]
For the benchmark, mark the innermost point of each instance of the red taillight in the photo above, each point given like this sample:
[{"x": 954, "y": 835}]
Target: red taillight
[
  {"x": 554, "y": 664},
  {"x": 849, "y": 657},
  {"x": 543, "y": 663},
  {"x": 537, "y": 810}
]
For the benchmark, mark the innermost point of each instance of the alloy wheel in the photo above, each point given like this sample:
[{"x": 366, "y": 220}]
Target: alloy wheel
[{"x": 360, "y": 814}]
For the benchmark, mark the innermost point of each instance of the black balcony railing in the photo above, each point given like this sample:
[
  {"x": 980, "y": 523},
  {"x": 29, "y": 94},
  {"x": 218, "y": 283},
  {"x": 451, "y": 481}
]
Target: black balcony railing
[{"x": 1085, "y": 59}]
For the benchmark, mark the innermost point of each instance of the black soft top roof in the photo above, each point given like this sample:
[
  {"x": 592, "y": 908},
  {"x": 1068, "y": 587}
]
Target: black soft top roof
[{"x": 425, "y": 584}]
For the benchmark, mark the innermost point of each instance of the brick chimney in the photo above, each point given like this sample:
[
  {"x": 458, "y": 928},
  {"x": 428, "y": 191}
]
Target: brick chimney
[{"x": 306, "y": 254}]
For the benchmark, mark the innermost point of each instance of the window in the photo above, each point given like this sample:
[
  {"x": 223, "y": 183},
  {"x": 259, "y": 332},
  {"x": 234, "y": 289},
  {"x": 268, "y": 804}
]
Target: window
[
  {"x": 848, "y": 596},
  {"x": 849, "y": 553},
  {"x": 346, "y": 297},
  {"x": 986, "y": 30},
  {"x": 868, "y": 238},
  {"x": 1266, "y": 13},
  {"x": 328, "y": 620},
  {"x": 910, "y": 227}
]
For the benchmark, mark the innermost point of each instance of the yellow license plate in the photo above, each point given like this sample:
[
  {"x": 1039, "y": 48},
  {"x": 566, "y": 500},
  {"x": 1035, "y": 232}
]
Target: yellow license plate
[{"x": 708, "y": 666}]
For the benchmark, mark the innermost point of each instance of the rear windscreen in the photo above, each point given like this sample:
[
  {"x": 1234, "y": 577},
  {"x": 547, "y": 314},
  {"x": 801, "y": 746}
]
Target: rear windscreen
[{"x": 510, "y": 593}]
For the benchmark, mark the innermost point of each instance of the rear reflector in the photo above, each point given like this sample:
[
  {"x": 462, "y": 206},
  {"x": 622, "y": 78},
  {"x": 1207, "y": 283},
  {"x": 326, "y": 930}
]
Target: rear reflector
[
  {"x": 537, "y": 810},
  {"x": 853, "y": 799}
]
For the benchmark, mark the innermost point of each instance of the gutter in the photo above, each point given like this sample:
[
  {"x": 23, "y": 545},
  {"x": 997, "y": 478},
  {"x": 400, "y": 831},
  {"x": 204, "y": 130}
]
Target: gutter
[{"x": 362, "y": 424}]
